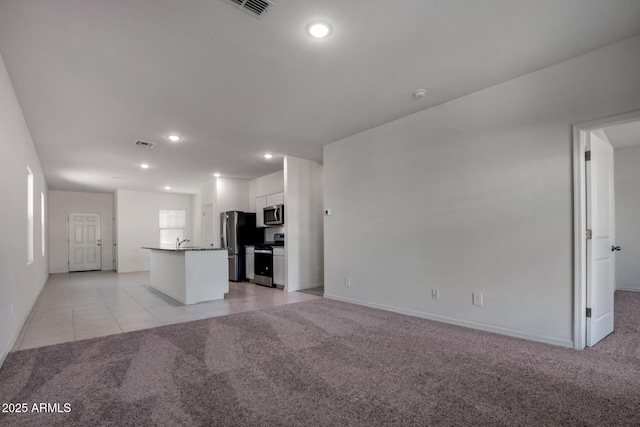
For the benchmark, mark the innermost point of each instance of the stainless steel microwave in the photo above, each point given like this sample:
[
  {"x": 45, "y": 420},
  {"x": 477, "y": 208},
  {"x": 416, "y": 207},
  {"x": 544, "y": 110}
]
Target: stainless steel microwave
[{"x": 274, "y": 215}]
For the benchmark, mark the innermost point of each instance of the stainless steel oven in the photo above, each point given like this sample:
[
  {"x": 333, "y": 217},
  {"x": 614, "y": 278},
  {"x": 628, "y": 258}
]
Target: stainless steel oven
[{"x": 263, "y": 265}]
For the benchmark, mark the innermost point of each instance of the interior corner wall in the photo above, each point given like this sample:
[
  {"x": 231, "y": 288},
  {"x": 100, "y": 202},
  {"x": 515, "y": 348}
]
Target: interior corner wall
[
  {"x": 627, "y": 194},
  {"x": 20, "y": 283},
  {"x": 63, "y": 202},
  {"x": 138, "y": 225},
  {"x": 474, "y": 195},
  {"x": 303, "y": 219}
]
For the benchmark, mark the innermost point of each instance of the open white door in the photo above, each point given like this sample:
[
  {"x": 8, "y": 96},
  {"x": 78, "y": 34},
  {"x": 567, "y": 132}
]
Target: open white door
[
  {"x": 85, "y": 236},
  {"x": 600, "y": 248}
]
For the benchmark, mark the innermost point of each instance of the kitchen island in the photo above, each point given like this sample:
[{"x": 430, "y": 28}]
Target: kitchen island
[{"x": 190, "y": 275}]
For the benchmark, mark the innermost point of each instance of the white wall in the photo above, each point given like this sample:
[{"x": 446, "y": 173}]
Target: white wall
[
  {"x": 196, "y": 220},
  {"x": 20, "y": 284},
  {"x": 63, "y": 202},
  {"x": 474, "y": 195},
  {"x": 206, "y": 196},
  {"x": 265, "y": 185},
  {"x": 231, "y": 195},
  {"x": 627, "y": 181},
  {"x": 138, "y": 225},
  {"x": 304, "y": 258}
]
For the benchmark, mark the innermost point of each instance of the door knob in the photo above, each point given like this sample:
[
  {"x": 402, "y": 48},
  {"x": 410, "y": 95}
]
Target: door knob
[{"x": 615, "y": 248}]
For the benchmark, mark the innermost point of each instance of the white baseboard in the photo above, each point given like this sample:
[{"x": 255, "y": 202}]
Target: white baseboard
[
  {"x": 311, "y": 286},
  {"x": 12, "y": 342},
  {"x": 628, "y": 289},
  {"x": 308, "y": 286},
  {"x": 458, "y": 322}
]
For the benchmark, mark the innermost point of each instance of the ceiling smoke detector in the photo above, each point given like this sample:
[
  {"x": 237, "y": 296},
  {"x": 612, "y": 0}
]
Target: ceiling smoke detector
[
  {"x": 254, "y": 7},
  {"x": 420, "y": 93},
  {"x": 145, "y": 144}
]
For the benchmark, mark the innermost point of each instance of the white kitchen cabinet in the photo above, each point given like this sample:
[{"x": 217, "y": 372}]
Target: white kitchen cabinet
[
  {"x": 275, "y": 199},
  {"x": 261, "y": 203},
  {"x": 249, "y": 261},
  {"x": 278, "y": 266}
]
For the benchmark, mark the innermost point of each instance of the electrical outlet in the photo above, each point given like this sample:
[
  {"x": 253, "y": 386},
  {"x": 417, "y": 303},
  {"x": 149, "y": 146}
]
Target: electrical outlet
[
  {"x": 477, "y": 298},
  {"x": 347, "y": 282},
  {"x": 435, "y": 293},
  {"x": 327, "y": 212}
]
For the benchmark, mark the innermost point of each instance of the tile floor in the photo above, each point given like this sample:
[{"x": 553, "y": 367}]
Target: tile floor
[{"x": 79, "y": 306}]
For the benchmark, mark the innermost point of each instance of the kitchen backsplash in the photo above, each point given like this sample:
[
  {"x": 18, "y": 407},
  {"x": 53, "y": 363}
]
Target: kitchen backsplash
[{"x": 270, "y": 231}]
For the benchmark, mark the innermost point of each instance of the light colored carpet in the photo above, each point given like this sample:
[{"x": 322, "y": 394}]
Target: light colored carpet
[{"x": 327, "y": 363}]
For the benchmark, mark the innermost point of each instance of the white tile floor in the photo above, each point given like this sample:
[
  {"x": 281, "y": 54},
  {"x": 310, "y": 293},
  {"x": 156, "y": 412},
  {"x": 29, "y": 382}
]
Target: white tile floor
[{"x": 78, "y": 306}]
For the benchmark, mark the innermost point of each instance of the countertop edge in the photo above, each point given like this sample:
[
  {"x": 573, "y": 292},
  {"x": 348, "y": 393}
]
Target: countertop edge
[{"x": 183, "y": 249}]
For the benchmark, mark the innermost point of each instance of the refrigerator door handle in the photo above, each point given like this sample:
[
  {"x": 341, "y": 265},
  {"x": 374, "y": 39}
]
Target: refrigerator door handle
[{"x": 223, "y": 238}]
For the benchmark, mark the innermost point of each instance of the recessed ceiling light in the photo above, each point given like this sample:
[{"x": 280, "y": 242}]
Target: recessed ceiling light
[
  {"x": 217, "y": 175},
  {"x": 319, "y": 29},
  {"x": 268, "y": 156},
  {"x": 167, "y": 188},
  {"x": 174, "y": 138},
  {"x": 144, "y": 166}
]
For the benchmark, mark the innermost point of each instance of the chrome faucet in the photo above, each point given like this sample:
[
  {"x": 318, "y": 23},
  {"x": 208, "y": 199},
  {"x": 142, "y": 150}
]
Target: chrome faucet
[{"x": 178, "y": 243}]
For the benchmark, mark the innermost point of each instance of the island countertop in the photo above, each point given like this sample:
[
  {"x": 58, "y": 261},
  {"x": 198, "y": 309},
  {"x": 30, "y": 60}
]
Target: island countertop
[{"x": 185, "y": 249}]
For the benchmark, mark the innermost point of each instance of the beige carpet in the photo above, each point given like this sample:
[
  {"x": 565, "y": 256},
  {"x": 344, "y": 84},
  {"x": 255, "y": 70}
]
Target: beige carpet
[{"x": 327, "y": 363}]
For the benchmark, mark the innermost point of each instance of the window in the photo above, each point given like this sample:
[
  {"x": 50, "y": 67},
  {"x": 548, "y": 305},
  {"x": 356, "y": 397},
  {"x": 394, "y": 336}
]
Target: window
[
  {"x": 172, "y": 224},
  {"x": 42, "y": 220},
  {"x": 29, "y": 216}
]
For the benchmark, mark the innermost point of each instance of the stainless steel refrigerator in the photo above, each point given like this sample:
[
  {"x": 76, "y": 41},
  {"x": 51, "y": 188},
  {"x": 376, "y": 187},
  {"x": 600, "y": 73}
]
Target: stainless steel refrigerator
[{"x": 237, "y": 229}]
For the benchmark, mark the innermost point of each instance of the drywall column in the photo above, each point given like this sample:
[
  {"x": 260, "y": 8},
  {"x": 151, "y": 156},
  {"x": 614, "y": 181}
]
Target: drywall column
[
  {"x": 304, "y": 234},
  {"x": 627, "y": 177}
]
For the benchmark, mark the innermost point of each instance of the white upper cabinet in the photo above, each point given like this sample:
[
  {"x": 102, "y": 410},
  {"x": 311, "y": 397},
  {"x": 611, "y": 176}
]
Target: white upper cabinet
[
  {"x": 275, "y": 199},
  {"x": 261, "y": 203}
]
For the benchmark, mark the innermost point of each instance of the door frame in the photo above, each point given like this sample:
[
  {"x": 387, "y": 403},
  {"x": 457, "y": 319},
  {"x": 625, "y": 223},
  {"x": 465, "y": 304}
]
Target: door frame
[
  {"x": 580, "y": 132},
  {"x": 69, "y": 236}
]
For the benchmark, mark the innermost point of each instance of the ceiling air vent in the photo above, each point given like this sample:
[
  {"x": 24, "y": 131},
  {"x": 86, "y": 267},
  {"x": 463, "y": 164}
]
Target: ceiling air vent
[
  {"x": 254, "y": 7},
  {"x": 145, "y": 144}
]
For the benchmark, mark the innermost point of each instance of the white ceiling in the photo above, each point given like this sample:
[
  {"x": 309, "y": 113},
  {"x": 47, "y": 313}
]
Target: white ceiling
[
  {"x": 624, "y": 135},
  {"x": 93, "y": 76}
]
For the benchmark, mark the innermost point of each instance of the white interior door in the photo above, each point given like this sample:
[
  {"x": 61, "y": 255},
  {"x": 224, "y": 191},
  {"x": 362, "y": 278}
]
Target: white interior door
[
  {"x": 85, "y": 241},
  {"x": 208, "y": 223},
  {"x": 600, "y": 248}
]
